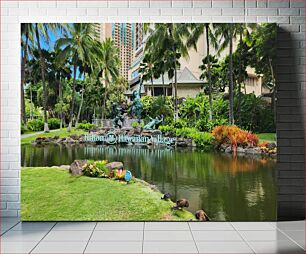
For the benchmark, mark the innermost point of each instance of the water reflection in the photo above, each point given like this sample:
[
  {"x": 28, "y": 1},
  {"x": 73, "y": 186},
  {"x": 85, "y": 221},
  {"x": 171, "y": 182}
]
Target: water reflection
[{"x": 227, "y": 188}]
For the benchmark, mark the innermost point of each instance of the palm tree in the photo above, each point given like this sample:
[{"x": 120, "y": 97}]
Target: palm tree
[
  {"x": 108, "y": 61},
  {"x": 60, "y": 71},
  {"x": 196, "y": 31},
  {"x": 146, "y": 68},
  {"x": 26, "y": 35},
  {"x": 77, "y": 45},
  {"x": 226, "y": 33},
  {"x": 41, "y": 31},
  {"x": 170, "y": 37}
]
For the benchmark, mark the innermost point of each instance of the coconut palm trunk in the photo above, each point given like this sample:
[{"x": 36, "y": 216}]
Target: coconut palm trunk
[
  {"x": 73, "y": 97},
  {"x": 104, "y": 100},
  {"x": 31, "y": 102},
  {"x": 80, "y": 108},
  {"x": 60, "y": 91},
  {"x": 81, "y": 104},
  {"x": 239, "y": 82},
  {"x": 231, "y": 97},
  {"x": 209, "y": 72},
  {"x": 23, "y": 63},
  {"x": 164, "y": 89},
  {"x": 273, "y": 98},
  {"x": 42, "y": 68},
  {"x": 152, "y": 85},
  {"x": 175, "y": 77}
]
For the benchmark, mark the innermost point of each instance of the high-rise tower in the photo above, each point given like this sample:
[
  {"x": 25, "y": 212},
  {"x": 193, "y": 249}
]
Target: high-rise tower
[{"x": 123, "y": 36}]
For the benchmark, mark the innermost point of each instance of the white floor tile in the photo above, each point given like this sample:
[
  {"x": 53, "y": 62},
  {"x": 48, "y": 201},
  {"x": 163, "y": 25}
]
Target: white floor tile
[
  {"x": 33, "y": 226},
  {"x": 63, "y": 226},
  {"x": 216, "y": 236},
  {"x": 297, "y": 235},
  {"x": 273, "y": 235},
  {"x": 253, "y": 226},
  {"x": 107, "y": 236},
  {"x": 17, "y": 247},
  {"x": 291, "y": 225},
  {"x": 7, "y": 225},
  {"x": 276, "y": 247},
  {"x": 120, "y": 226},
  {"x": 221, "y": 226},
  {"x": 9, "y": 220},
  {"x": 22, "y": 236},
  {"x": 60, "y": 247},
  {"x": 167, "y": 236},
  {"x": 166, "y": 226},
  {"x": 111, "y": 247},
  {"x": 223, "y": 247},
  {"x": 69, "y": 236},
  {"x": 169, "y": 247}
]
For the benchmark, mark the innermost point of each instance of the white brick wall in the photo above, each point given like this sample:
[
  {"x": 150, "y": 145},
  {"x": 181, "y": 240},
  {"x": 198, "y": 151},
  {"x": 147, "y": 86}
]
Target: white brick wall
[{"x": 288, "y": 12}]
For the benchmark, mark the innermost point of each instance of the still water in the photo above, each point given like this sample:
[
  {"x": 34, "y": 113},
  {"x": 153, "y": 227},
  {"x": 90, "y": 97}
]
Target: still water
[{"x": 226, "y": 188}]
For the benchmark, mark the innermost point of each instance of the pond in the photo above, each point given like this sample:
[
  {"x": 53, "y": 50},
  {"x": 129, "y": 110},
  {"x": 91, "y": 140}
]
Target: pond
[{"x": 241, "y": 189}]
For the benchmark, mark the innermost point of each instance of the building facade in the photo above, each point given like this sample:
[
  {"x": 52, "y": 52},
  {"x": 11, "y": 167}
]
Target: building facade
[
  {"x": 190, "y": 65},
  {"x": 123, "y": 35}
]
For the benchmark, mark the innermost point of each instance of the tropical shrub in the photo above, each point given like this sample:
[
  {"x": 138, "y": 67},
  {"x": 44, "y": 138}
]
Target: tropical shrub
[
  {"x": 167, "y": 128},
  {"x": 22, "y": 129},
  {"x": 85, "y": 126},
  {"x": 158, "y": 106},
  {"x": 203, "y": 140},
  {"x": 119, "y": 174},
  {"x": 233, "y": 135},
  {"x": 54, "y": 123},
  {"x": 255, "y": 115},
  {"x": 96, "y": 169},
  {"x": 180, "y": 123},
  {"x": 35, "y": 125}
]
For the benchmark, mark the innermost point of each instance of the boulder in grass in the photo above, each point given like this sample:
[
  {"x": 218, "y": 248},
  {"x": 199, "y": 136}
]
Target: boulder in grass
[
  {"x": 76, "y": 167},
  {"x": 67, "y": 167},
  {"x": 114, "y": 165}
]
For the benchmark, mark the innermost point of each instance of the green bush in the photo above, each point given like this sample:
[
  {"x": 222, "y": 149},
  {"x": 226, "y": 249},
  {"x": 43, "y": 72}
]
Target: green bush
[
  {"x": 96, "y": 169},
  {"x": 256, "y": 114},
  {"x": 203, "y": 140},
  {"x": 167, "y": 128},
  {"x": 23, "y": 129},
  {"x": 85, "y": 126},
  {"x": 158, "y": 106},
  {"x": 54, "y": 123},
  {"x": 35, "y": 125}
]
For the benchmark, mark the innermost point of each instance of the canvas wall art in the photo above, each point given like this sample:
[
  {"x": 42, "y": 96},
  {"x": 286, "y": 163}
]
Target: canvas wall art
[{"x": 148, "y": 122}]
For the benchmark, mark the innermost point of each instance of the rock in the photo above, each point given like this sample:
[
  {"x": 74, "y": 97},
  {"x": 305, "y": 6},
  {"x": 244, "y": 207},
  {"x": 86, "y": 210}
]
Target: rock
[
  {"x": 77, "y": 166},
  {"x": 271, "y": 146},
  {"x": 240, "y": 149},
  {"x": 114, "y": 165},
  {"x": 189, "y": 142},
  {"x": 223, "y": 147},
  {"x": 65, "y": 167},
  {"x": 180, "y": 142},
  {"x": 74, "y": 137},
  {"x": 253, "y": 150},
  {"x": 228, "y": 149},
  {"x": 137, "y": 130}
]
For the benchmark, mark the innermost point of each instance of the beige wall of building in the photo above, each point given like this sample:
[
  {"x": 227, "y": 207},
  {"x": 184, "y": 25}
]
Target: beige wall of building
[{"x": 188, "y": 90}]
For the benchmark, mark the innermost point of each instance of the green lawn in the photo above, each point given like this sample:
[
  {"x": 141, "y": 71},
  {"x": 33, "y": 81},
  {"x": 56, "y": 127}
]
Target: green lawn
[
  {"x": 52, "y": 194},
  {"x": 268, "y": 137},
  {"x": 61, "y": 133}
]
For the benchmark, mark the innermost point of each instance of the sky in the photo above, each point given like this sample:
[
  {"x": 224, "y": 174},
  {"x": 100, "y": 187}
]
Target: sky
[{"x": 50, "y": 43}]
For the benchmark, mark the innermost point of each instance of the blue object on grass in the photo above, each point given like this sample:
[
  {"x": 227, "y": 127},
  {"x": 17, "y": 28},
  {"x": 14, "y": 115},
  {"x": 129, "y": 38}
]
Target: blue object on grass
[{"x": 128, "y": 176}]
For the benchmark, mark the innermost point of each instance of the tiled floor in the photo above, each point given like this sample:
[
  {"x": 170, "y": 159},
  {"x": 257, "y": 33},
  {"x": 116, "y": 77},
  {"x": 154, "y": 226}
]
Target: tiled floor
[{"x": 152, "y": 237}]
